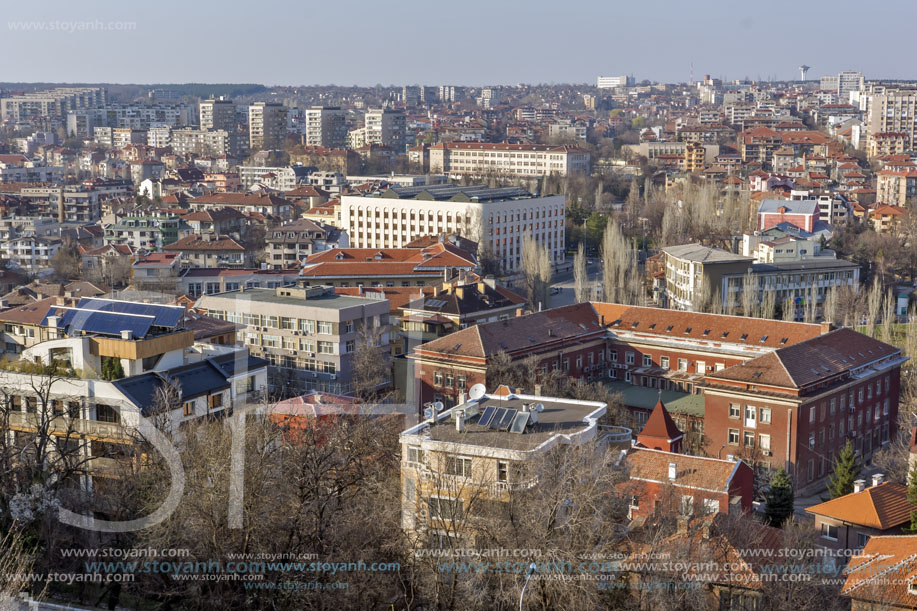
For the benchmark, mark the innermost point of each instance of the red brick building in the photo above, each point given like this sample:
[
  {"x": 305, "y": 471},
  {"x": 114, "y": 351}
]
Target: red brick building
[
  {"x": 666, "y": 483},
  {"x": 797, "y": 406},
  {"x": 733, "y": 366}
]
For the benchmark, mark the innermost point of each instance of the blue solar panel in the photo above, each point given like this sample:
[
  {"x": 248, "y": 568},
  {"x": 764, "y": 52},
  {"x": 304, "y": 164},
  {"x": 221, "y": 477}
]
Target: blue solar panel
[
  {"x": 498, "y": 415},
  {"x": 108, "y": 323},
  {"x": 165, "y": 316},
  {"x": 484, "y": 420}
]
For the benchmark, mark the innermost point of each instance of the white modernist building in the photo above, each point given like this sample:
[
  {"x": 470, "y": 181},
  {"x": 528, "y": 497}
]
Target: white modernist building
[{"x": 499, "y": 218}]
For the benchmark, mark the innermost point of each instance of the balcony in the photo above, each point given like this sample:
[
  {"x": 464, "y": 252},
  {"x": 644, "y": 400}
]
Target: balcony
[{"x": 64, "y": 426}]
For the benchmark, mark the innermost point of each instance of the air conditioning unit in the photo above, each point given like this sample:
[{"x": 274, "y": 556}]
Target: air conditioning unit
[{"x": 767, "y": 452}]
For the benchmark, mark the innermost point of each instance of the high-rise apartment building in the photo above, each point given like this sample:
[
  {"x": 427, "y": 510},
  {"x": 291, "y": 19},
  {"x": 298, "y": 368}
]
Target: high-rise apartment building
[
  {"x": 267, "y": 126},
  {"x": 386, "y": 127},
  {"x": 326, "y": 126},
  {"x": 218, "y": 113},
  {"x": 892, "y": 111},
  {"x": 50, "y": 103}
]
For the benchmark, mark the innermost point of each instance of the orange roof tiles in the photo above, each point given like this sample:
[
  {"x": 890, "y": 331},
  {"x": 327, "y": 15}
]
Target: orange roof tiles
[
  {"x": 883, "y": 507},
  {"x": 884, "y": 571}
]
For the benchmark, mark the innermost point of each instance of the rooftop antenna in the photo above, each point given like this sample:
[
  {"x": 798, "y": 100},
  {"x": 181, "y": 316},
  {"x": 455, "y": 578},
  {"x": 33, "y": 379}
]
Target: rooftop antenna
[{"x": 802, "y": 72}]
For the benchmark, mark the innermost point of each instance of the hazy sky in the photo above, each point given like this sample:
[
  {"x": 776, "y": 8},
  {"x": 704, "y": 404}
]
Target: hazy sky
[{"x": 468, "y": 42}]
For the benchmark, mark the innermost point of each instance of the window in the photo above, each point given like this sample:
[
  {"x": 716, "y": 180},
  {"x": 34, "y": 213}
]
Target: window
[
  {"x": 664, "y": 362},
  {"x": 734, "y": 437},
  {"x": 765, "y": 442},
  {"x": 325, "y": 348},
  {"x": 325, "y": 328},
  {"x": 447, "y": 509},
  {"x": 188, "y": 408},
  {"x": 415, "y": 454},
  {"x": 700, "y": 367},
  {"x": 811, "y": 440},
  {"x": 629, "y": 358},
  {"x": 438, "y": 378},
  {"x": 812, "y": 414},
  {"x": 349, "y": 346},
  {"x": 107, "y": 413},
  {"x": 687, "y": 505},
  {"x": 647, "y": 360},
  {"x": 711, "y": 506},
  {"x": 862, "y": 539},
  {"x": 764, "y": 415},
  {"x": 734, "y": 410},
  {"x": 750, "y": 416},
  {"x": 456, "y": 465},
  {"x": 613, "y": 356},
  {"x": 833, "y": 406},
  {"x": 502, "y": 471},
  {"x": 307, "y": 326},
  {"x": 215, "y": 401},
  {"x": 828, "y": 531},
  {"x": 749, "y": 439},
  {"x": 682, "y": 364}
]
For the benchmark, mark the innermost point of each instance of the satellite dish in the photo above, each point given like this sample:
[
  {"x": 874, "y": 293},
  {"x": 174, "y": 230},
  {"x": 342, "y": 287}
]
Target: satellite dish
[
  {"x": 477, "y": 391},
  {"x": 539, "y": 407},
  {"x": 428, "y": 413},
  {"x": 438, "y": 406}
]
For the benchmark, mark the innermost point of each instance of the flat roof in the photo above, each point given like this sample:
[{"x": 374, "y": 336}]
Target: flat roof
[
  {"x": 262, "y": 295},
  {"x": 560, "y": 416},
  {"x": 703, "y": 254}
]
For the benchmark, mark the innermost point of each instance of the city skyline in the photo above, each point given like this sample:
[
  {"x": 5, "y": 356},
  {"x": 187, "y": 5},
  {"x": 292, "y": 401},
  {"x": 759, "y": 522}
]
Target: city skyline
[{"x": 114, "y": 40}]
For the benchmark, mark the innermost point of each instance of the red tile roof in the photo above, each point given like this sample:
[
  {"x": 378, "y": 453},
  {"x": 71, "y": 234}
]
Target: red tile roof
[
  {"x": 884, "y": 572},
  {"x": 882, "y": 507}
]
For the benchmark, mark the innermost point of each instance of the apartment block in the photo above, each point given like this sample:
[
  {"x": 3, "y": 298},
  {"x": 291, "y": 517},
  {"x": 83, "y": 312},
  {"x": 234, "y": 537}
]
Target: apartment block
[
  {"x": 502, "y": 217},
  {"x": 202, "y": 143},
  {"x": 267, "y": 126},
  {"x": 326, "y": 126},
  {"x": 479, "y": 452},
  {"x": 309, "y": 335},
  {"x": 386, "y": 127},
  {"x": 218, "y": 113},
  {"x": 50, "y": 103}
]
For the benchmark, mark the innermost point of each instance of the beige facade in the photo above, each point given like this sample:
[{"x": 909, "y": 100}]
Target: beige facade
[{"x": 522, "y": 160}]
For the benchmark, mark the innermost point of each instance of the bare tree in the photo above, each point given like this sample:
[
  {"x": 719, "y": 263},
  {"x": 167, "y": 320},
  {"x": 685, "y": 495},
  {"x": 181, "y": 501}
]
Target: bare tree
[
  {"x": 370, "y": 367},
  {"x": 537, "y": 270},
  {"x": 580, "y": 277}
]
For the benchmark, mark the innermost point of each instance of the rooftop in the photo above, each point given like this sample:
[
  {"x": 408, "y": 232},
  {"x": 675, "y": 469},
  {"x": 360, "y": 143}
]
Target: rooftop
[
  {"x": 456, "y": 193},
  {"x": 884, "y": 572},
  {"x": 313, "y": 297},
  {"x": 491, "y": 428},
  {"x": 698, "y": 253},
  {"x": 882, "y": 507}
]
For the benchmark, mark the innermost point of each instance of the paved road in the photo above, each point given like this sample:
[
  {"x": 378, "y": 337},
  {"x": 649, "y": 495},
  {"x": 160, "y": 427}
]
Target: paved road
[{"x": 564, "y": 282}]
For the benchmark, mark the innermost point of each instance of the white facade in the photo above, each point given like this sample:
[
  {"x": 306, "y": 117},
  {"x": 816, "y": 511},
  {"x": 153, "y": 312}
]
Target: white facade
[
  {"x": 386, "y": 127},
  {"x": 378, "y": 222},
  {"x": 610, "y": 82},
  {"x": 326, "y": 126},
  {"x": 522, "y": 160}
]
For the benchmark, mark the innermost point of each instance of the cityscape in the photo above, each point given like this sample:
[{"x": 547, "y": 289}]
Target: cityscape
[{"x": 637, "y": 334}]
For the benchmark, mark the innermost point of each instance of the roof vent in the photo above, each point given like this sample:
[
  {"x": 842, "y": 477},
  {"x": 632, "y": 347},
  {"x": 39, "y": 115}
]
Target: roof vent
[
  {"x": 859, "y": 485},
  {"x": 878, "y": 478}
]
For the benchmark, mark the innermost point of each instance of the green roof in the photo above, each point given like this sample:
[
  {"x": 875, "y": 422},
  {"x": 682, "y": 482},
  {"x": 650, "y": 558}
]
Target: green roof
[{"x": 642, "y": 397}]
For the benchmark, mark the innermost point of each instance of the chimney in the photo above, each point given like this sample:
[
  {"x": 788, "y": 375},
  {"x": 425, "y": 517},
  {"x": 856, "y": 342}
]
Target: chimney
[
  {"x": 673, "y": 471},
  {"x": 878, "y": 478},
  {"x": 859, "y": 485},
  {"x": 538, "y": 390},
  {"x": 461, "y": 398},
  {"x": 460, "y": 292},
  {"x": 52, "y": 322},
  {"x": 127, "y": 334},
  {"x": 460, "y": 421},
  {"x": 826, "y": 327}
]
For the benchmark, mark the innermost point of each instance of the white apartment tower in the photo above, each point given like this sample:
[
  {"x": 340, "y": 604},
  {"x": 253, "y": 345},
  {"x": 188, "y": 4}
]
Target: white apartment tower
[
  {"x": 219, "y": 113},
  {"x": 386, "y": 127},
  {"x": 326, "y": 126},
  {"x": 267, "y": 125}
]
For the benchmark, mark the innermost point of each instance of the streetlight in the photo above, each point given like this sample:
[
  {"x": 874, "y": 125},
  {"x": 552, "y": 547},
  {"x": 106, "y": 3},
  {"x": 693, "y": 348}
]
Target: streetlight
[{"x": 528, "y": 576}]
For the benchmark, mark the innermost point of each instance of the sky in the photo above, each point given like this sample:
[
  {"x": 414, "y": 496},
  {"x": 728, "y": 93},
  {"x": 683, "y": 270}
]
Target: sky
[{"x": 468, "y": 42}]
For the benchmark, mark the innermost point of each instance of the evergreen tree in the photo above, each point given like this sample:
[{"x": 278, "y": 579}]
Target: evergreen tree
[
  {"x": 779, "y": 499},
  {"x": 912, "y": 499},
  {"x": 846, "y": 470}
]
